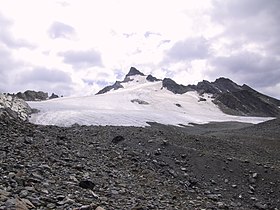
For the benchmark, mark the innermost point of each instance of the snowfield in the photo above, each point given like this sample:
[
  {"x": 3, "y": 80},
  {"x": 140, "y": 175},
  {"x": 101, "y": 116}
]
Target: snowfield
[{"x": 136, "y": 104}]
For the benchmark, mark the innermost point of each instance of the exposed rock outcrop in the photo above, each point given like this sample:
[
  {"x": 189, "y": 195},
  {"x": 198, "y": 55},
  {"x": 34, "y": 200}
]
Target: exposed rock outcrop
[
  {"x": 115, "y": 86},
  {"x": 118, "y": 84},
  {"x": 31, "y": 95},
  {"x": 14, "y": 108},
  {"x": 231, "y": 98},
  {"x": 133, "y": 71},
  {"x": 151, "y": 78},
  {"x": 239, "y": 100},
  {"x": 172, "y": 86},
  {"x": 53, "y": 96}
]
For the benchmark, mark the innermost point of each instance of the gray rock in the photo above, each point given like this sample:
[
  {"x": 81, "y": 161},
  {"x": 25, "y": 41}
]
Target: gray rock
[{"x": 261, "y": 206}]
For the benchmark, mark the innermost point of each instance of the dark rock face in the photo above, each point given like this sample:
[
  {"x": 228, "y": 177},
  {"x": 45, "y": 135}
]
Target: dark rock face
[
  {"x": 229, "y": 96},
  {"x": 150, "y": 78},
  {"x": 239, "y": 100},
  {"x": 118, "y": 84},
  {"x": 31, "y": 95},
  {"x": 115, "y": 86},
  {"x": 245, "y": 102},
  {"x": 53, "y": 96},
  {"x": 206, "y": 87},
  {"x": 133, "y": 71},
  {"x": 136, "y": 100},
  {"x": 172, "y": 86},
  {"x": 221, "y": 85}
]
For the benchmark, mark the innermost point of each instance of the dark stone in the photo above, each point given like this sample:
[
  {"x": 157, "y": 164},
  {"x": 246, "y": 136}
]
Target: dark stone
[
  {"x": 86, "y": 184},
  {"x": 150, "y": 78},
  {"x": 31, "y": 95},
  {"x": 117, "y": 139},
  {"x": 133, "y": 71},
  {"x": 115, "y": 86},
  {"x": 261, "y": 206},
  {"x": 172, "y": 86},
  {"x": 201, "y": 99},
  {"x": 179, "y": 105},
  {"x": 139, "y": 101},
  {"x": 53, "y": 96}
]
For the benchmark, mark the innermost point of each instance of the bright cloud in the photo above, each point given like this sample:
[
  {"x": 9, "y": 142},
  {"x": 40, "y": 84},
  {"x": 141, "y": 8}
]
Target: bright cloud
[{"x": 93, "y": 43}]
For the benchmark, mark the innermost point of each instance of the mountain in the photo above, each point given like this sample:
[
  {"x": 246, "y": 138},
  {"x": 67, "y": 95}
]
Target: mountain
[
  {"x": 230, "y": 97},
  {"x": 118, "y": 84},
  {"x": 138, "y": 100},
  {"x": 31, "y": 95}
]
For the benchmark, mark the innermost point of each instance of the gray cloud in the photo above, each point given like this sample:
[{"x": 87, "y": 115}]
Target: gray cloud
[
  {"x": 42, "y": 74},
  {"x": 128, "y": 35},
  {"x": 189, "y": 49},
  {"x": 254, "y": 23},
  {"x": 7, "y": 38},
  {"x": 250, "y": 21},
  {"x": 48, "y": 80},
  {"x": 61, "y": 30},
  {"x": 8, "y": 66},
  {"x": 7, "y": 63},
  {"x": 149, "y": 33},
  {"x": 248, "y": 67},
  {"x": 82, "y": 59}
]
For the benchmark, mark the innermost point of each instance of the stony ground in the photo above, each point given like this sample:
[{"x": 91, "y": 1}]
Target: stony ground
[{"x": 213, "y": 166}]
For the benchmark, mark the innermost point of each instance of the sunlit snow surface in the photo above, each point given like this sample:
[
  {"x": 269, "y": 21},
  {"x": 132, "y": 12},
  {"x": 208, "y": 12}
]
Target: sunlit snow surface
[{"x": 116, "y": 108}]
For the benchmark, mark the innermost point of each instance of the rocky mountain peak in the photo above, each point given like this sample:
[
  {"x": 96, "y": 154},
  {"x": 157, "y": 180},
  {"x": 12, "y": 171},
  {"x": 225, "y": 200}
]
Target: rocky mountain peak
[
  {"x": 172, "y": 86},
  {"x": 226, "y": 85},
  {"x": 133, "y": 71},
  {"x": 151, "y": 78}
]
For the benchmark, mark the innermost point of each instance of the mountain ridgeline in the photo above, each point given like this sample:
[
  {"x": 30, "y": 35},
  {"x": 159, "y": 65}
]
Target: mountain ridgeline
[{"x": 230, "y": 97}]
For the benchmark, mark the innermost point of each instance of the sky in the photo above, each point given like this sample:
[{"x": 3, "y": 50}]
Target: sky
[{"x": 72, "y": 47}]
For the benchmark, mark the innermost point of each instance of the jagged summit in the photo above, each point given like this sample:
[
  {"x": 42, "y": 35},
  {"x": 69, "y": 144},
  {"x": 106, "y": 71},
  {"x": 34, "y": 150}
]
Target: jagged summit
[
  {"x": 220, "y": 85},
  {"x": 133, "y": 71},
  {"x": 128, "y": 78},
  {"x": 230, "y": 97},
  {"x": 139, "y": 99},
  {"x": 172, "y": 86}
]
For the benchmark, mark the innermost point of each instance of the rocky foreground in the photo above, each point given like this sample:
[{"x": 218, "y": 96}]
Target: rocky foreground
[{"x": 214, "y": 166}]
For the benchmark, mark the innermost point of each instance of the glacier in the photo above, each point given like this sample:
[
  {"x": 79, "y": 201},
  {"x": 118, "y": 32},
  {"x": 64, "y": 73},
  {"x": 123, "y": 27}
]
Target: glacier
[{"x": 120, "y": 108}]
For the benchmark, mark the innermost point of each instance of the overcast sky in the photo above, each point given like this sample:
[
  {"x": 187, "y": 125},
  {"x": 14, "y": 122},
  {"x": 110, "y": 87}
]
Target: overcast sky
[{"x": 77, "y": 47}]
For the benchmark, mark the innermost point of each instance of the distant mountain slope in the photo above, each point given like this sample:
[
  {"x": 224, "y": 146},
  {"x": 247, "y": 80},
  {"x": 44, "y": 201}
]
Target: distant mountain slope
[
  {"x": 31, "y": 95},
  {"x": 230, "y": 97},
  {"x": 118, "y": 84},
  {"x": 239, "y": 100},
  {"x": 140, "y": 99}
]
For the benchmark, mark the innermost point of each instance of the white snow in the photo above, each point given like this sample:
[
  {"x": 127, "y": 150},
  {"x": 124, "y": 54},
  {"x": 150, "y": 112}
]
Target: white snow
[{"x": 116, "y": 108}]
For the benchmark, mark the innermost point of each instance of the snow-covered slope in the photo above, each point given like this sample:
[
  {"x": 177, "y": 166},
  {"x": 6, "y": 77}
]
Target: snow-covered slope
[{"x": 138, "y": 102}]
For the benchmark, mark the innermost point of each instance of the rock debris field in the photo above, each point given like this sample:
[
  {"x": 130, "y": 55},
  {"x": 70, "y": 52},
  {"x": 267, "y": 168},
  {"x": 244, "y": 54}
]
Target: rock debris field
[{"x": 212, "y": 166}]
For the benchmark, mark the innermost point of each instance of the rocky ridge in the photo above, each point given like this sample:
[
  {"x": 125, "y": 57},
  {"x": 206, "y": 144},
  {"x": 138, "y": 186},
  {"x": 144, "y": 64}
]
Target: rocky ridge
[
  {"x": 31, "y": 95},
  {"x": 231, "y": 98},
  {"x": 118, "y": 84}
]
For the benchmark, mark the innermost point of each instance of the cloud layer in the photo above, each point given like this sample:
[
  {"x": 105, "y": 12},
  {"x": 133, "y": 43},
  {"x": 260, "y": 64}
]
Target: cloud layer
[
  {"x": 82, "y": 59},
  {"x": 82, "y": 46}
]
